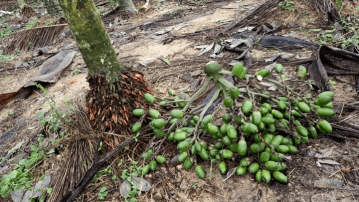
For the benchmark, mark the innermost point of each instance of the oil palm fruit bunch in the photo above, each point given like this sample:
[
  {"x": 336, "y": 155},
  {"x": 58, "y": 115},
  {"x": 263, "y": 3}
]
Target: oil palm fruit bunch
[{"x": 258, "y": 126}]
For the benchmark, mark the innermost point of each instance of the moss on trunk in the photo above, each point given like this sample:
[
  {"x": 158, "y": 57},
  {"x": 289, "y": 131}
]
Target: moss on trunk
[{"x": 90, "y": 34}]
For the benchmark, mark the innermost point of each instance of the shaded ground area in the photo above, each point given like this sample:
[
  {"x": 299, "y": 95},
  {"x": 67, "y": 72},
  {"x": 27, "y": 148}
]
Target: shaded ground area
[{"x": 171, "y": 32}]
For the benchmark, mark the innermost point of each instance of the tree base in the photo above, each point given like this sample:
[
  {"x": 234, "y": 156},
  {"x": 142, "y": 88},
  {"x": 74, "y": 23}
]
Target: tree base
[
  {"x": 27, "y": 12},
  {"x": 109, "y": 106}
]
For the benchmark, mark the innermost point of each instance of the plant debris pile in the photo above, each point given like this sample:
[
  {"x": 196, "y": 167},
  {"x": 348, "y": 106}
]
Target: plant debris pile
[{"x": 109, "y": 106}]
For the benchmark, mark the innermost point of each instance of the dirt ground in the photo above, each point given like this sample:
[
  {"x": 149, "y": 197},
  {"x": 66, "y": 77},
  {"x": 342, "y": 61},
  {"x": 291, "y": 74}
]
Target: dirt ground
[{"x": 173, "y": 183}]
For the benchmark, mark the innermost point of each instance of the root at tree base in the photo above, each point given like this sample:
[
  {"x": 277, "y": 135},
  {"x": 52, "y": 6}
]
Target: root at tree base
[{"x": 109, "y": 106}]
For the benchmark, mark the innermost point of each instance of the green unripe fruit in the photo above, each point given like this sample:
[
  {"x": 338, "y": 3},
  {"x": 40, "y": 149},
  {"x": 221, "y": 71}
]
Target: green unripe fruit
[
  {"x": 232, "y": 132},
  {"x": 283, "y": 149},
  {"x": 213, "y": 152},
  {"x": 256, "y": 138},
  {"x": 145, "y": 170},
  {"x": 325, "y": 112},
  {"x": 263, "y": 111},
  {"x": 286, "y": 115},
  {"x": 277, "y": 157},
  {"x": 296, "y": 114},
  {"x": 264, "y": 157},
  {"x": 204, "y": 154},
  {"x": 154, "y": 113},
  {"x": 237, "y": 69},
  {"x": 213, "y": 129},
  {"x": 259, "y": 175},
  {"x": 161, "y": 159},
  {"x": 303, "y": 107},
  {"x": 176, "y": 113},
  {"x": 228, "y": 102},
  {"x": 256, "y": 118},
  {"x": 241, "y": 170},
  {"x": 301, "y": 72},
  {"x": 247, "y": 107},
  {"x": 149, "y": 98},
  {"x": 158, "y": 123},
  {"x": 222, "y": 167},
  {"x": 277, "y": 114},
  {"x": 266, "y": 177},
  {"x": 234, "y": 92},
  {"x": 262, "y": 74},
  {"x": 138, "y": 112},
  {"x": 292, "y": 149},
  {"x": 170, "y": 137},
  {"x": 242, "y": 147},
  {"x": 268, "y": 106},
  {"x": 183, "y": 146},
  {"x": 280, "y": 177},
  {"x": 226, "y": 153},
  {"x": 193, "y": 123},
  {"x": 275, "y": 166},
  {"x": 223, "y": 129},
  {"x": 153, "y": 165},
  {"x": 243, "y": 73},
  {"x": 136, "y": 127},
  {"x": 207, "y": 119},
  {"x": 196, "y": 118},
  {"x": 182, "y": 157},
  {"x": 244, "y": 162},
  {"x": 200, "y": 172},
  {"x": 218, "y": 145},
  {"x": 255, "y": 148},
  {"x": 328, "y": 106},
  {"x": 226, "y": 118},
  {"x": 281, "y": 105},
  {"x": 180, "y": 136},
  {"x": 323, "y": 100},
  {"x": 312, "y": 132},
  {"x": 250, "y": 128},
  {"x": 253, "y": 168},
  {"x": 212, "y": 68},
  {"x": 302, "y": 131},
  {"x": 226, "y": 140},
  {"x": 271, "y": 128},
  {"x": 159, "y": 133},
  {"x": 188, "y": 163},
  {"x": 268, "y": 120},
  {"x": 233, "y": 147},
  {"x": 239, "y": 120},
  {"x": 278, "y": 68}
]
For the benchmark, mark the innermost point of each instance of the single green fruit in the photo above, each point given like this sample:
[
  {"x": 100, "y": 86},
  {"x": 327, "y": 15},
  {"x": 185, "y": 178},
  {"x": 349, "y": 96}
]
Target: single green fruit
[
  {"x": 264, "y": 157},
  {"x": 268, "y": 120},
  {"x": 182, "y": 104},
  {"x": 218, "y": 145},
  {"x": 163, "y": 104},
  {"x": 138, "y": 112},
  {"x": 285, "y": 122},
  {"x": 305, "y": 139},
  {"x": 292, "y": 149},
  {"x": 303, "y": 107},
  {"x": 326, "y": 93},
  {"x": 264, "y": 111},
  {"x": 277, "y": 114},
  {"x": 250, "y": 128},
  {"x": 281, "y": 105},
  {"x": 275, "y": 166},
  {"x": 286, "y": 115},
  {"x": 302, "y": 131},
  {"x": 280, "y": 177},
  {"x": 180, "y": 136},
  {"x": 247, "y": 107},
  {"x": 243, "y": 73},
  {"x": 183, "y": 146},
  {"x": 244, "y": 162},
  {"x": 188, "y": 163},
  {"x": 154, "y": 113},
  {"x": 212, "y": 68},
  {"x": 193, "y": 123},
  {"x": 312, "y": 132},
  {"x": 268, "y": 106},
  {"x": 253, "y": 168},
  {"x": 328, "y": 106},
  {"x": 147, "y": 155},
  {"x": 323, "y": 100},
  {"x": 278, "y": 68},
  {"x": 227, "y": 118},
  {"x": 226, "y": 153},
  {"x": 259, "y": 175},
  {"x": 266, "y": 177},
  {"x": 171, "y": 92},
  {"x": 207, "y": 119},
  {"x": 200, "y": 172},
  {"x": 262, "y": 146},
  {"x": 171, "y": 137},
  {"x": 277, "y": 157},
  {"x": 173, "y": 121},
  {"x": 256, "y": 138},
  {"x": 233, "y": 147},
  {"x": 232, "y": 132},
  {"x": 182, "y": 157},
  {"x": 158, "y": 123},
  {"x": 149, "y": 97},
  {"x": 223, "y": 129},
  {"x": 285, "y": 141},
  {"x": 234, "y": 92},
  {"x": 255, "y": 148},
  {"x": 262, "y": 74},
  {"x": 283, "y": 149},
  {"x": 176, "y": 113},
  {"x": 271, "y": 128},
  {"x": 226, "y": 140},
  {"x": 161, "y": 159},
  {"x": 325, "y": 112},
  {"x": 242, "y": 147},
  {"x": 237, "y": 69},
  {"x": 196, "y": 118},
  {"x": 301, "y": 72},
  {"x": 136, "y": 127},
  {"x": 256, "y": 118},
  {"x": 204, "y": 154},
  {"x": 315, "y": 106},
  {"x": 228, "y": 102},
  {"x": 204, "y": 145},
  {"x": 213, "y": 129},
  {"x": 159, "y": 132},
  {"x": 296, "y": 114},
  {"x": 222, "y": 167},
  {"x": 153, "y": 165},
  {"x": 213, "y": 152},
  {"x": 285, "y": 99},
  {"x": 268, "y": 138},
  {"x": 241, "y": 170},
  {"x": 145, "y": 170},
  {"x": 277, "y": 140}
]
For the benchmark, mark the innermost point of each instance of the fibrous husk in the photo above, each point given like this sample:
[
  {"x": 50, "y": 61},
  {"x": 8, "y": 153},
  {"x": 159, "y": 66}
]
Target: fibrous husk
[
  {"x": 109, "y": 107},
  {"x": 26, "y": 12}
]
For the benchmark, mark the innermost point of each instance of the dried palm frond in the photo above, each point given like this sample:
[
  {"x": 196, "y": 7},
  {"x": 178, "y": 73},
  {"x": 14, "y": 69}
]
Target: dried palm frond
[
  {"x": 79, "y": 157},
  {"x": 33, "y": 38}
]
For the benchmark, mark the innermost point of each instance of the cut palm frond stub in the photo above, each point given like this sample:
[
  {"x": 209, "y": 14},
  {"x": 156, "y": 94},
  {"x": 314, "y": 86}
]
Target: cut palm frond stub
[{"x": 33, "y": 38}]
